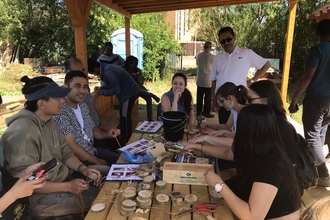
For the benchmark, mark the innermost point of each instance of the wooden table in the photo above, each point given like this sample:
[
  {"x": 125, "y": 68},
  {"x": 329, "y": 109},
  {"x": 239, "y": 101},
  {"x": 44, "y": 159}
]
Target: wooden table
[{"x": 158, "y": 211}]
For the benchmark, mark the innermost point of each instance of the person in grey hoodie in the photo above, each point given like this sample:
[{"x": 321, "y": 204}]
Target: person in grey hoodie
[
  {"x": 33, "y": 136},
  {"x": 120, "y": 83}
]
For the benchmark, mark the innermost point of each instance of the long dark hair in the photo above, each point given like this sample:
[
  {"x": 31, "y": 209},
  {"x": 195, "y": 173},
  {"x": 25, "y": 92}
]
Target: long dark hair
[
  {"x": 239, "y": 92},
  {"x": 257, "y": 137},
  {"x": 186, "y": 96},
  {"x": 33, "y": 85},
  {"x": 268, "y": 89}
]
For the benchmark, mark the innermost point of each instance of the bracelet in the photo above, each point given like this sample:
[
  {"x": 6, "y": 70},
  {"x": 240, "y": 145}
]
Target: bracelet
[
  {"x": 79, "y": 167},
  {"x": 202, "y": 149}
]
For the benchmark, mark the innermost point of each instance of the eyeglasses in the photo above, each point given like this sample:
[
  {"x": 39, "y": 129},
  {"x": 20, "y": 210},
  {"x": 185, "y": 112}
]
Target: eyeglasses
[
  {"x": 228, "y": 39},
  {"x": 250, "y": 100}
]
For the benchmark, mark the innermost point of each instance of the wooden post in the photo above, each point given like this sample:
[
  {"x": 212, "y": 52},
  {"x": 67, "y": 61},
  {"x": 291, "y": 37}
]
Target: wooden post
[
  {"x": 288, "y": 50},
  {"x": 79, "y": 11},
  {"x": 128, "y": 36}
]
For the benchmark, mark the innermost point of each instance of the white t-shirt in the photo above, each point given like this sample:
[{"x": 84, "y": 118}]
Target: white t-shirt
[
  {"x": 81, "y": 121},
  {"x": 234, "y": 67}
]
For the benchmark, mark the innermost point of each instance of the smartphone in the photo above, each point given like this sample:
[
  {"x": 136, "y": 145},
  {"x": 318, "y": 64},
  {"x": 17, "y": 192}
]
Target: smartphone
[{"x": 44, "y": 169}]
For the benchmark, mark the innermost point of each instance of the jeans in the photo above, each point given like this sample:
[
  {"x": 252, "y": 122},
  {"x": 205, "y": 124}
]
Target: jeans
[
  {"x": 126, "y": 118},
  {"x": 223, "y": 115},
  {"x": 206, "y": 93},
  {"x": 107, "y": 155},
  {"x": 316, "y": 118},
  {"x": 147, "y": 96}
]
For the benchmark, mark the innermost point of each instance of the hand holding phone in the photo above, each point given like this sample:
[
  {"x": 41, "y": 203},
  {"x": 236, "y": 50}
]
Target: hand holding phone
[{"x": 44, "y": 169}]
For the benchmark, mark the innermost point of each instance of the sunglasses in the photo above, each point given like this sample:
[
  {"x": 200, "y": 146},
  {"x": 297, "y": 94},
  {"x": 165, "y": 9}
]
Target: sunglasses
[
  {"x": 228, "y": 39},
  {"x": 250, "y": 100}
]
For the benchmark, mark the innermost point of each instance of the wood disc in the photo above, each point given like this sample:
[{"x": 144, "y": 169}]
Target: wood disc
[
  {"x": 129, "y": 194},
  {"x": 145, "y": 194},
  {"x": 162, "y": 198},
  {"x": 160, "y": 184},
  {"x": 142, "y": 202},
  {"x": 128, "y": 204},
  {"x": 143, "y": 174},
  {"x": 190, "y": 199},
  {"x": 148, "y": 179},
  {"x": 130, "y": 188}
]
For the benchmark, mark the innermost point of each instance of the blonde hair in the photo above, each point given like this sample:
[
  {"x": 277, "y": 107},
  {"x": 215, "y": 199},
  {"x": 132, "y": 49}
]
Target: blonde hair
[{"x": 319, "y": 210}]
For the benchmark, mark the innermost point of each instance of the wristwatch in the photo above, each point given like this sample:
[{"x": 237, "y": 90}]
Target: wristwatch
[
  {"x": 219, "y": 186},
  {"x": 252, "y": 81}
]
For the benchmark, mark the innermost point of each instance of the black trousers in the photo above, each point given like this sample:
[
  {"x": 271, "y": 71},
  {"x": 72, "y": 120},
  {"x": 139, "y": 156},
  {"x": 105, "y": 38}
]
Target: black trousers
[
  {"x": 223, "y": 115},
  {"x": 205, "y": 93},
  {"x": 126, "y": 118},
  {"x": 147, "y": 96}
]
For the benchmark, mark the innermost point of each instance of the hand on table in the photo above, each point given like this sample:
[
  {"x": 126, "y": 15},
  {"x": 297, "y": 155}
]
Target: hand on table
[
  {"x": 219, "y": 133},
  {"x": 199, "y": 139}
]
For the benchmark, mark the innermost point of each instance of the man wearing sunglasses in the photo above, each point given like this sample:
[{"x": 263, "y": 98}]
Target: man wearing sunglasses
[{"x": 232, "y": 65}]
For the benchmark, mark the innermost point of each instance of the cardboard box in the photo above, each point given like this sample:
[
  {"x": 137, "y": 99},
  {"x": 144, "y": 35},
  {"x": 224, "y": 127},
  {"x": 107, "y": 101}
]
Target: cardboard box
[{"x": 185, "y": 173}]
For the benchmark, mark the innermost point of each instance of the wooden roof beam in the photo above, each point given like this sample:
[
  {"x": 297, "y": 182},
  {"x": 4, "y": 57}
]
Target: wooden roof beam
[
  {"x": 146, "y": 9},
  {"x": 115, "y": 7}
]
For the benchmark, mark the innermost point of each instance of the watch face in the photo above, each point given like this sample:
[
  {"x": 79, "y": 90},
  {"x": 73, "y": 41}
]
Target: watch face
[{"x": 218, "y": 187}]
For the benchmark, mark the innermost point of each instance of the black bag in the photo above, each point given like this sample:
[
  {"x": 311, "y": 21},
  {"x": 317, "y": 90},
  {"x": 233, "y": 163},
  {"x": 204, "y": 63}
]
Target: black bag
[{"x": 305, "y": 168}]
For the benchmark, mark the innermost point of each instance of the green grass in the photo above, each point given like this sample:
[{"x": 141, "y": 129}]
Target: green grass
[{"x": 10, "y": 78}]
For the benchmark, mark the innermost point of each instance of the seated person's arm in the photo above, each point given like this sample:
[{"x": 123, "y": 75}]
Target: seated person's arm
[
  {"x": 167, "y": 105},
  {"x": 22, "y": 188},
  {"x": 101, "y": 134},
  {"x": 75, "y": 186},
  {"x": 215, "y": 141},
  {"x": 81, "y": 153},
  {"x": 258, "y": 205},
  {"x": 220, "y": 152},
  {"x": 229, "y": 125}
]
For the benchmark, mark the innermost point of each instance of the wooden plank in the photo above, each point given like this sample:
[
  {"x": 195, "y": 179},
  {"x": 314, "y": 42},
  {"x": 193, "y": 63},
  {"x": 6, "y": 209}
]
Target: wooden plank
[
  {"x": 176, "y": 208},
  {"x": 106, "y": 198},
  {"x": 202, "y": 194},
  {"x": 161, "y": 211},
  {"x": 114, "y": 213},
  {"x": 306, "y": 199}
]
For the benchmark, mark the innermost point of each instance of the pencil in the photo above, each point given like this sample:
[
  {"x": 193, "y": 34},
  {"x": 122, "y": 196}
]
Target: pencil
[{"x": 118, "y": 142}]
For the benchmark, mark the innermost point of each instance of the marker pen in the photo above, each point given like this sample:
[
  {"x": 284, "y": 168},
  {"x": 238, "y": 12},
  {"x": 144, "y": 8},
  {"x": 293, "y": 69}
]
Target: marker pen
[{"x": 40, "y": 174}]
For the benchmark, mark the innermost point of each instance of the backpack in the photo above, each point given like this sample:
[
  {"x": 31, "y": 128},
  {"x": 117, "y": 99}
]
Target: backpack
[{"x": 305, "y": 168}]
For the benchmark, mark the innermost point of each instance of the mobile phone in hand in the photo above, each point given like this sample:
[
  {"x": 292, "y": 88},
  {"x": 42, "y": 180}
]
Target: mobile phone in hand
[{"x": 44, "y": 169}]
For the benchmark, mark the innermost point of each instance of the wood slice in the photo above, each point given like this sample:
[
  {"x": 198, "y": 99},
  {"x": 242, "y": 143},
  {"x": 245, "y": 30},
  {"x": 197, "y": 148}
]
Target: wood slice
[
  {"x": 130, "y": 188},
  {"x": 127, "y": 210},
  {"x": 142, "y": 202},
  {"x": 143, "y": 174},
  {"x": 160, "y": 184},
  {"x": 148, "y": 179},
  {"x": 145, "y": 194},
  {"x": 129, "y": 194},
  {"x": 128, "y": 204},
  {"x": 161, "y": 168},
  {"x": 162, "y": 198},
  {"x": 190, "y": 199}
]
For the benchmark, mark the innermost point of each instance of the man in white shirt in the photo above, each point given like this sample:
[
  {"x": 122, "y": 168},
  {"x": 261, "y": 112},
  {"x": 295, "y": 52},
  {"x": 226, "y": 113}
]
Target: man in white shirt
[
  {"x": 204, "y": 62},
  {"x": 232, "y": 65}
]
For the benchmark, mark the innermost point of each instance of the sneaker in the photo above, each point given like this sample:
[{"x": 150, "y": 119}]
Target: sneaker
[
  {"x": 208, "y": 115},
  {"x": 324, "y": 181}
]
